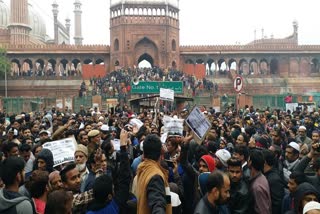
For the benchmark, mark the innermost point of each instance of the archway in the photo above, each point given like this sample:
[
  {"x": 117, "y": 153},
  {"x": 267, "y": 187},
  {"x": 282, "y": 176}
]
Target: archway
[
  {"x": 145, "y": 49},
  {"x": 145, "y": 61}
]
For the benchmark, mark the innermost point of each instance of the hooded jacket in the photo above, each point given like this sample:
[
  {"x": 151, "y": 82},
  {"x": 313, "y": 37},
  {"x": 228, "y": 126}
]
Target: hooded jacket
[
  {"x": 20, "y": 204},
  {"x": 49, "y": 118},
  {"x": 302, "y": 190},
  {"x": 47, "y": 156}
]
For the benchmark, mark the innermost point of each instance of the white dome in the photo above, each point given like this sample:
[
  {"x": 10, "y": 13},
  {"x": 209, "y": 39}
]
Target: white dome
[
  {"x": 4, "y": 15},
  {"x": 146, "y": 2},
  {"x": 37, "y": 24}
]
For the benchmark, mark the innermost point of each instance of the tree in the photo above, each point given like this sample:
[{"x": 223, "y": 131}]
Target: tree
[{"x": 4, "y": 63}]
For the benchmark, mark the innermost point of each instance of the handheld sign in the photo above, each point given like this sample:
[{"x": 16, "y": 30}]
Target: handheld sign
[
  {"x": 172, "y": 125},
  {"x": 166, "y": 94},
  {"x": 62, "y": 150},
  {"x": 238, "y": 83},
  {"x": 198, "y": 123}
]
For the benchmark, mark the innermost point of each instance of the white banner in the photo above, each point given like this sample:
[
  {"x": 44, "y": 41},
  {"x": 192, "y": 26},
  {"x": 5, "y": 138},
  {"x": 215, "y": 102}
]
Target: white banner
[
  {"x": 172, "y": 125},
  {"x": 62, "y": 150},
  {"x": 198, "y": 123},
  {"x": 166, "y": 94}
]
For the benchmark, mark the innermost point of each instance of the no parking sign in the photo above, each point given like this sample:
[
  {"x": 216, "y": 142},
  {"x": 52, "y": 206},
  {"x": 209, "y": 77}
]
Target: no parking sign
[{"x": 238, "y": 83}]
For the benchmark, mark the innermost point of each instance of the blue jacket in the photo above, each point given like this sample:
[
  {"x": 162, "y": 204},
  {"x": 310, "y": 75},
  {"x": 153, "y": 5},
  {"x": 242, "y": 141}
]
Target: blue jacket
[{"x": 110, "y": 208}]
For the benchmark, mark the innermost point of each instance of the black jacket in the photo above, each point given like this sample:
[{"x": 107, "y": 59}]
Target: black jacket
[
  {"x": 121, "y": 187},
  {"x": 302, "y": 190},
  {"x": 240, "y": 197},
  {"x": 277, "y": 186},
  {"x": 312, "y": 177},
  {"x": 204, "y": 207}
]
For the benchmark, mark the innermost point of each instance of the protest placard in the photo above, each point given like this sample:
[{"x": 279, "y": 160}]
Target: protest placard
[
  {"x": 198, "y": 123},
  {"x": 166, "y": 94},
  {"x": 172, "y": 125},
  {"x": 62, "y": 150}
]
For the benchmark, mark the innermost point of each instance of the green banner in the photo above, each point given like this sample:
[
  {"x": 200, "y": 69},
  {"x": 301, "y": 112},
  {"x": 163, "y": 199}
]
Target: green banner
[{"x": 154, "y": 87}]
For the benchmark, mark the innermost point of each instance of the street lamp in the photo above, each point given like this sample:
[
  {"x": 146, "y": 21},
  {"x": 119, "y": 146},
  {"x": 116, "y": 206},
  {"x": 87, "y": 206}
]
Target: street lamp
[{"x": 5, "y": 79}]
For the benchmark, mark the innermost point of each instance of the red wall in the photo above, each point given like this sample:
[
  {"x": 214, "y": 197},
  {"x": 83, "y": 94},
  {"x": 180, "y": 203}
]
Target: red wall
[
  {"x": 89, "y": 71},
  {"x": 198, "y": 70}
]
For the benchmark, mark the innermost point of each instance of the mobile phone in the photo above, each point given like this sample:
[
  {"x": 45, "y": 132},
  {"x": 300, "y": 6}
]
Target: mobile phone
[{"x": 170, "y": 163}]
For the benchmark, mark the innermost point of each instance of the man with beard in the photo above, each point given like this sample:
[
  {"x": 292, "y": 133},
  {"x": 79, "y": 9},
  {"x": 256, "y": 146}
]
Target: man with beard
[
  {"x": 81, "y": 157},
  {"x": 12, "y": 174},
  {"x": 218, "y": 186},
  {"x": 303, "y": 140},
  {"x": 239, "y": 191},
  {"x": 309, "y": 124}
]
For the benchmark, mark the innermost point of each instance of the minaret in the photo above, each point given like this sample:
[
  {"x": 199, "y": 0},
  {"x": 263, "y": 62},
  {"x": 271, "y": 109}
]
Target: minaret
[
  {"x": 19, "y": 22},
  {"x": 295, "y": 30},
  {"x": 68, "y": 25},
  {"x": 77, "y": 23},
  {"x": 55, "y": 12}
]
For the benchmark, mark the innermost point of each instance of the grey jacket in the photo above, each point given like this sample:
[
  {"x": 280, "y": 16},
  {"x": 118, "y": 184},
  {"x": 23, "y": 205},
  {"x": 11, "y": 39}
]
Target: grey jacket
[{"x": 16, "y": 205}]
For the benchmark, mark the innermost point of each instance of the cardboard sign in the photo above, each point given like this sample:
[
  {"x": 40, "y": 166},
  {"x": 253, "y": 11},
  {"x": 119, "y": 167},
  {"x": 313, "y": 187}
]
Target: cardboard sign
[
  {"x": 62, "y": 150},
  {"x": 166, "y": 94},
  {"x": 136, "y": 122},
  {"x": 198, "y": 123}
]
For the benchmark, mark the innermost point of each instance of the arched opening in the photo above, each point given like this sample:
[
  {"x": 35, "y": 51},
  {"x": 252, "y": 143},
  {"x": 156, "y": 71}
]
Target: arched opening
[
  {"x": 116, "y": 45},
  {"x": 27, "y": 68},
  {"x": 232, "y": 64},
  {"x": 15, "y": 67},
  {"x": 263, "y": 66},
  {"x": 51, "y": 68},
  {"x": 243, "y": 67},
  {"x": 117, "y": 63},
  {"x": 99, "y": 62},
  {"x": 147, "y": 50},
  {"x": 63, "y": 67},
  {"x": 174, "y": 64},
  {"x": 40, "y": 67},
  {"x": 253, "y": 67},
  {"x": 222, "y": 66},
  {"x": 199, "y": 61},
  {"x": 210, "y": 67},
  {"x": 73, "y": 69},
  {"x": 145, "y": 61},
  {"x": 87, "y": 62},
  {"x": 274, "y": 66},
  {"x": 174, "y": 45},
  {"x": 314, "y": 66},
  {"x": 189, "y": 61}
]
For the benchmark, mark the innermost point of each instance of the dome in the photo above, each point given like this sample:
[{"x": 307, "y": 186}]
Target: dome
[
  {"x": 4, "y": 15},
  {"x": 174, "y": 3},
  {"x": 37, "y": 24}
]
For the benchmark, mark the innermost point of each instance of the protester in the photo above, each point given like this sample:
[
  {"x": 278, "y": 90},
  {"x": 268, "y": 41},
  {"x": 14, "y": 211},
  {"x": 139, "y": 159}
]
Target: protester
[
  {"x": 218, "y": 186},
  {"x": 240, "y": 197},
  {"x": 259, "y": 186},
  {"x": 59, "y": 201},
  {"x": 152, "y": 186},
  {"x": 261, "y": 150},
  {"x": 12, "y": 175}
]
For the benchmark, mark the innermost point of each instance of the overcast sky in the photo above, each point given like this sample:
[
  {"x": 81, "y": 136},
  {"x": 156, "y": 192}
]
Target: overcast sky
[{"x": 205, "y": 22}]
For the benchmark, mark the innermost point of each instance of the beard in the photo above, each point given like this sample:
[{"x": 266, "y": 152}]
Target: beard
[
  {"x": 220, "y": 200},
  {"x": 81, "y": 167}
]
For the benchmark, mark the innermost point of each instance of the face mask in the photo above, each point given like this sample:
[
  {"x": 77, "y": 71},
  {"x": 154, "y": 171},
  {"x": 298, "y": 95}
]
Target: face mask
[{"x": 81, "y": 167}]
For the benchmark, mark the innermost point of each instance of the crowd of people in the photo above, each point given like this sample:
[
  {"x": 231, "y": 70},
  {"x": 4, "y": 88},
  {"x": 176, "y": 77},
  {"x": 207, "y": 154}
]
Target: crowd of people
[
  {"x": 118, "y": 83},
  {"x": 259, "y": 162}
]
